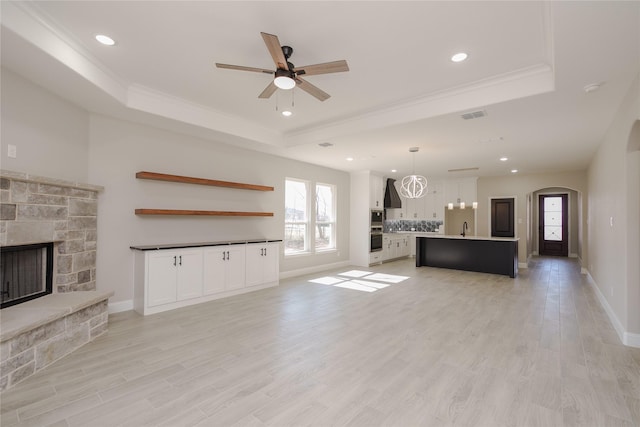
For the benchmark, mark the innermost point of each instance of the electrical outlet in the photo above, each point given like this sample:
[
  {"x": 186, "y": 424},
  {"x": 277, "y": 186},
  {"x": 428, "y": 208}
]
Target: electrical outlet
[{"x": 12, "y": 151}]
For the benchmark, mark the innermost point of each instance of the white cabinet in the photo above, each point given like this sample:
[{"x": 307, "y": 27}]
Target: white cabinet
[
  {"x": 165, "y": 279},
  {"x": 434, "y": 202},
  {"x": 376, "y": 192},
  {"x": 224, "y": 268},
  {"x": 395, "y": 246},
  {"x": 176, "y": 275},
  {"x": 262, "y": 264}
]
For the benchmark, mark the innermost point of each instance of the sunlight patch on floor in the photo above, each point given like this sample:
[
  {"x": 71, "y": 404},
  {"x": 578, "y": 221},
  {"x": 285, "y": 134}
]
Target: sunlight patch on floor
[{"x": 353, "y": 279}]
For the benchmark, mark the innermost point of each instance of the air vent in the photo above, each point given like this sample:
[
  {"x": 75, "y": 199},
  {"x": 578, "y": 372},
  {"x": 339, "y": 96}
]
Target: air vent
[
  {"x": 463, "y": 170},
  {"x": 474, "y": 114},
  {"x": 325, "y": 144}
]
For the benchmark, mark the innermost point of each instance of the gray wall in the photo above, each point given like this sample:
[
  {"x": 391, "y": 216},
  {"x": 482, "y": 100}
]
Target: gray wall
[{"x": 613, "y": 262}]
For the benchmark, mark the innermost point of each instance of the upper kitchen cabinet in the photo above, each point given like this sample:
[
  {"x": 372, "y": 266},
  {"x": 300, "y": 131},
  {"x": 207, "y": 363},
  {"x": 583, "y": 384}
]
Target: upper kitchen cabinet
[
  {"x": 376, "y": 192},
  {"x": 434, "y": 202},
  {"x": 463, "y": 190}
]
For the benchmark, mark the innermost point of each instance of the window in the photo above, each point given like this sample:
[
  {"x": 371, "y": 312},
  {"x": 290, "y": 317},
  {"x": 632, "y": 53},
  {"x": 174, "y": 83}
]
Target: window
[
  {"x": 296, "y": 218},
  {"x": 307, "y": 213},
  {"x": 325, "y": 217}
]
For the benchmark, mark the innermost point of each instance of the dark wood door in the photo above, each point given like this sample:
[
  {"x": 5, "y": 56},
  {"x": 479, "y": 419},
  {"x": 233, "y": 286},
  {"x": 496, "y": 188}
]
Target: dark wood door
[
  {"x": 553, "y": 229},
  {"x": 502, "y": 218}
]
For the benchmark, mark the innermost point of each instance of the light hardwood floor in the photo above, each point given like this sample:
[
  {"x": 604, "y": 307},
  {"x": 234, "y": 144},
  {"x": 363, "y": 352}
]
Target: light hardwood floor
[{"x": 440, "y": 348}]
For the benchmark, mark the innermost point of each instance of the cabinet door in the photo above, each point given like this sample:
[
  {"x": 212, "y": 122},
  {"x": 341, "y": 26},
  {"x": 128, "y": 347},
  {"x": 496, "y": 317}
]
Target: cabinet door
[
  {"x": 270, "y": 266},
  {"x": 161, "y": 277},
  {"x": 254, "y": 261},
  {"x": 235, "y": 267},
  {"x": 376, "y": 194},
  {"x": 189, "y": 274},
  {"x": 214, "y": 269}
]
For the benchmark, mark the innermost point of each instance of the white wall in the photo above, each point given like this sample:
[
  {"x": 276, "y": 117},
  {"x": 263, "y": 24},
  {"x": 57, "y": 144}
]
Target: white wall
[
  {"x": 50, "y": 134},
  {"x": 608, "y": 203},
  {"x": 58, "y": 140},
  {"x": 119, "y": 149}
]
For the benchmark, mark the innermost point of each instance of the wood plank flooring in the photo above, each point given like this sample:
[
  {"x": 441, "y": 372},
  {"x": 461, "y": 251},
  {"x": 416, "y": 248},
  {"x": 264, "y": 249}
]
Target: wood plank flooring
[{"x": 441, "y": 348}]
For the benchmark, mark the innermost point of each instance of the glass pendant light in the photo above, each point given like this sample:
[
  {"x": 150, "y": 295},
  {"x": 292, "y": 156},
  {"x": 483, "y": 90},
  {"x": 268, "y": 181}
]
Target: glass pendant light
[{"x": 413, "y": 186}]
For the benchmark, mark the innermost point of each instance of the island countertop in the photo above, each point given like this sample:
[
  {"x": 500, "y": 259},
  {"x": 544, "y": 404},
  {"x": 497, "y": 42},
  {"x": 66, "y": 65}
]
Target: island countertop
[{"x": 458, "y": 236}]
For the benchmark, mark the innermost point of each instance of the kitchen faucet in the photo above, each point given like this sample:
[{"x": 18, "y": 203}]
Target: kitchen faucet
[{"x": 465, "y": 227}]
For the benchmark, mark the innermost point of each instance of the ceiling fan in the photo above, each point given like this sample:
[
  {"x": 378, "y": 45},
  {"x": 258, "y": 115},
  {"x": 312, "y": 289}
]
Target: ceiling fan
[{"x": 286, "y": 75}]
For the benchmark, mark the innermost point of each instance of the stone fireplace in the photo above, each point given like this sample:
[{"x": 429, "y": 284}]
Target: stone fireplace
[
  {"x": 61, "y": 216},
  {"x": 41, "y": 210}
]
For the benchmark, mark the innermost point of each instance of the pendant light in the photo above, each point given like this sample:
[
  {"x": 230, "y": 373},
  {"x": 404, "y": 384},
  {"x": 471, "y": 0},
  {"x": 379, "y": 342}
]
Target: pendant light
[{"x": 413, "y": 186}]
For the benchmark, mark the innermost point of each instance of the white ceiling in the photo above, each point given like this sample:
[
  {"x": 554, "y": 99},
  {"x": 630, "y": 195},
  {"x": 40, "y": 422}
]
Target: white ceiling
[{"x": 528, "y": 63}]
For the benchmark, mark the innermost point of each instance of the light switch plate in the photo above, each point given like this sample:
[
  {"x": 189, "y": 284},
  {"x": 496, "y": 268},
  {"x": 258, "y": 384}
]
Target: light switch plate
[{"x": 12, "y": 151}]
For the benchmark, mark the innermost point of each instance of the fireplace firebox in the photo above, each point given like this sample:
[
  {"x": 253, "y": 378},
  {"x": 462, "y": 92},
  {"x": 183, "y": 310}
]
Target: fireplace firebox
[{"x": 25, "y": 273}]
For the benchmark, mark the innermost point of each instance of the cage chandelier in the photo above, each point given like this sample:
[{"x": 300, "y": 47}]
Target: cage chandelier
[{"x": 413, "y": 186}]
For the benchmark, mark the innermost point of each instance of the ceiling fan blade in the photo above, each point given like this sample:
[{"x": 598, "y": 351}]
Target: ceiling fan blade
[
  {"x": 312, "y": 90},
  {"x": 325, "y": 68},
  {"x": 268, "y": 91},
  {"x": 275, "y": 49},
  {"x": 241, "y": 68}
]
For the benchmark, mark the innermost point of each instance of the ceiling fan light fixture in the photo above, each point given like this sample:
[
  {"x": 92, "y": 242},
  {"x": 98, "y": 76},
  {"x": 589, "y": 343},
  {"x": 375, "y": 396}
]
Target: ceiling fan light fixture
[{"x": 284, "y": 80}]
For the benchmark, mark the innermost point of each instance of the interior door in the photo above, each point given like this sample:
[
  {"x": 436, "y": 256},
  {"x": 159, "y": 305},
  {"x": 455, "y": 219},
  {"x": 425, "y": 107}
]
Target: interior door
[
  {"x": 553, "y": 228},
  {"x": 502, "y": 218}
]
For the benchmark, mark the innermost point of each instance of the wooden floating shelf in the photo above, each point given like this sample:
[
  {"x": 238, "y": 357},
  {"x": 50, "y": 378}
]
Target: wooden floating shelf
[
  {"x": 200, "y": 181},
  {"x": 198, "y": 213}
]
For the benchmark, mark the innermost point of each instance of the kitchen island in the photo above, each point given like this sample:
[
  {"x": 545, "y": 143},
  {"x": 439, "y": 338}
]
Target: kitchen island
[{"x": 495, "y": 255}]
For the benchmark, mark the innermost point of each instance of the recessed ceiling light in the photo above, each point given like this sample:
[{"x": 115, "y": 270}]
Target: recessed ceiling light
[
  {"x": 393, "y": 170},
  {"x": 459, "y": 57},
  {"x": 504, "y": 159},
  {"x": 514, "y": 170},
  {"x": 349, "y": 159},
  {"x": 105, "y": 40},
  {"x": 287, "y": 113}
]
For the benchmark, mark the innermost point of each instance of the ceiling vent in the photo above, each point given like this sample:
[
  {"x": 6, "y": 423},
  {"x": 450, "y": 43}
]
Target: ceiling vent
[
  {"x": 474, "y": 114},
  {"x": 463, "y": 170},
  {"x": 325, "y": 144}
]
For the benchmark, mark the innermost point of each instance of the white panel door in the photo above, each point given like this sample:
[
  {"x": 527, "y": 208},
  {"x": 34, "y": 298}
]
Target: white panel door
[
  {"x": 161, "y": 277},
  {"x": 214, "y": 269},
  {"x": 189, "y": 273},
  {"x": 235, "y": 267},
  {"x": 254, "y": 261}
]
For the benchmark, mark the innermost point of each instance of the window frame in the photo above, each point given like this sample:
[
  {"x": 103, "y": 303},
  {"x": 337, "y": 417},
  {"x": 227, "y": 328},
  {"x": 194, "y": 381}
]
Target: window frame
[
  {"x": 306, "y": 222},
  {"x": 331, "y": 222}
]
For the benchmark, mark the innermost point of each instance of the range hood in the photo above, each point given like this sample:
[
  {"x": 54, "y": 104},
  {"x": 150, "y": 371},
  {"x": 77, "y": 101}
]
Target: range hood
[{"x": 391, "y": 196}]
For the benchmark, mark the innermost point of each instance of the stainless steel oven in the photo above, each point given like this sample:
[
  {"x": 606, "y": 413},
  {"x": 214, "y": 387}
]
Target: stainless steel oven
[
  {"x": 375, "y": 241},
  {"x": 376, "y": 219}
]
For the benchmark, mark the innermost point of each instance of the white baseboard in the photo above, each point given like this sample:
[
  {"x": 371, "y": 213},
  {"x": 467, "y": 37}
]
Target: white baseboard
[
  {"x": 311, "y": 270},
  {"x": 627, "y": 338},
  {"x": 523, "y": 265},
  {"x": 117, "y": 307},
  {"x": 572, "y": 255}
]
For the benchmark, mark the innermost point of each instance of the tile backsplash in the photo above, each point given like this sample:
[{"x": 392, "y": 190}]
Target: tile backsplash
[{"x": 391, "y": 225}]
